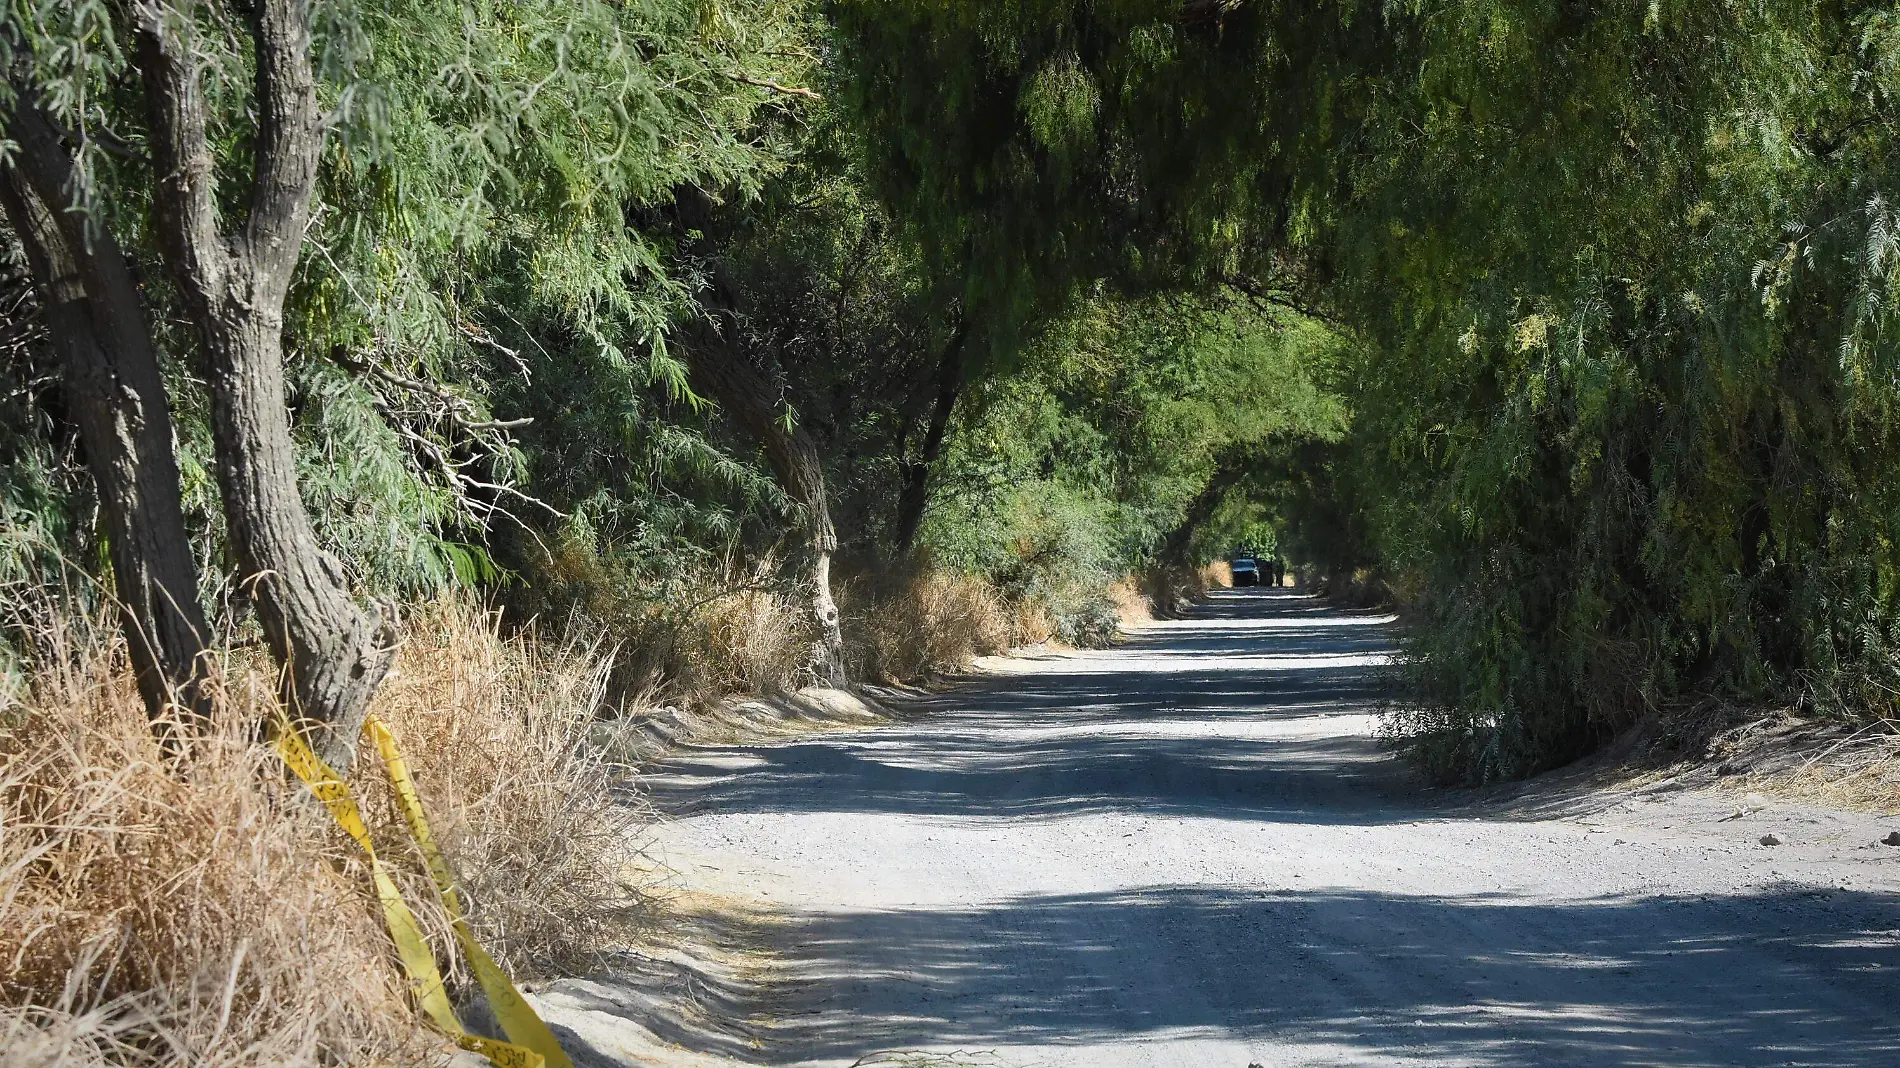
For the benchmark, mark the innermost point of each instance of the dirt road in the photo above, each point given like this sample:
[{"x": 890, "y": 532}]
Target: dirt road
[{"x": 1190, "y": 850}]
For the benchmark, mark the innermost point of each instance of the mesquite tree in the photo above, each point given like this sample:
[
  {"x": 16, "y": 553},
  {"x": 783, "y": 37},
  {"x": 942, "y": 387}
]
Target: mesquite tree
[
  {"x": 1624, "y": 411},
  {"x": 476, "y": 175},
  {"x": 233, "y": 281},
  {"x": 723, "y": 369},
  {"x": 97, "y": 323}
]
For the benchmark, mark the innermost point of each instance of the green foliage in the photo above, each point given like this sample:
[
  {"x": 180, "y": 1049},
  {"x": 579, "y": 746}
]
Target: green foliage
[
  {"x": 838, "y": 304},
  {"x": 1070, "y": 472},
  {"x": 40, "y": 491},
  {"x": 483, "y": 183},
  {"x": 471, "y": 236},
  {"x": 1041, "y": 146},
  {"x": 1622, "y": 278},
  {"x": 1571, "y": 324},
  {"x": 1636, "y": 385}
]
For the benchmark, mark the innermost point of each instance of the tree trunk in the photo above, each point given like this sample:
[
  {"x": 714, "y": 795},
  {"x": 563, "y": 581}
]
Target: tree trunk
[
  {"x": 333, "y": 653},
  {"x": 915, "y": 492},
  {"x": 96, "y": 322},
  {"x": 722, "y": 371},
  {"x": 720, "y": 367}
]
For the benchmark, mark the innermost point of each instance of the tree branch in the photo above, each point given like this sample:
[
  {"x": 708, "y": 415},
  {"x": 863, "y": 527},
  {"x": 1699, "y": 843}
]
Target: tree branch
[
  {"x": 290, "y": 144},
  {"x": 1195, "y": 12},
  {"x": 455, "y": 407},
  {"x": 181, "y": 157},
  {"x": 767, "y": 83}
]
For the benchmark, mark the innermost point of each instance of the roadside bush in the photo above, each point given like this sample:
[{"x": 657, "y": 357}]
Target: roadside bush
[
  {"x": 511, "y": 743},
  {"x": 1170, "y": 589},
  {"x": 209, "y": 914},
  {"x": 929, "y": 623},
  {"x": 1090, "y": 623},
  {"x": 751, "y": 641},
  {"x": 709, "y": 631},
  {"x": 205, "y": 918},
  {"x": 1046, "y": 548},
  {"x": 1132, "y": 603}
]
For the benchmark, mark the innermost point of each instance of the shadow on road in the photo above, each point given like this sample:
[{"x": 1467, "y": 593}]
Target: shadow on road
[
  {"x": 1233, "y": 715},
  {"x": 1307, "y": 964},
  {"x": 1150, "y": 728}
]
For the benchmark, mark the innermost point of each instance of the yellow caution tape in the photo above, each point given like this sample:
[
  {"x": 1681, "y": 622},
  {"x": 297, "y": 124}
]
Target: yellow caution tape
[
  {"x": 534, "y": 1045},
  {"x": 516, "y": 1016},
  {"x": 417, "y": 961}
]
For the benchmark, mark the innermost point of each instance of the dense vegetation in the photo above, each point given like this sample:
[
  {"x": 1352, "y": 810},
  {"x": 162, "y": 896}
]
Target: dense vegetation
[
  {"x": 598, "y": 312},
  {"x": 722, "y": 346},
  {"x": 1617, "y": 279},
  {"x": 1567, "y": 324}
]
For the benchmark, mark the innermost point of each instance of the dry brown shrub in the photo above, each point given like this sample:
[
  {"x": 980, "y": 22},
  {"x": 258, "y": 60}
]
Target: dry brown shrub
[
  {"x": 1863, "y": 774},
  {"x": 1132, "y": 605},
  {"x": 203, "y": 918},
  {"x": 719, "y": 629},
  {"x": 751, "y": 641},
  {"x": 1031, "y": 623},
  {"x": 929, "y": 623},
  {"x": 1780, "y": 752},
  {"x": 212, "y": 915},
  {"x": 115, "y": 1033},
  {"x": 1169, "y": 590},
  {"x": 513, "y": 758}
]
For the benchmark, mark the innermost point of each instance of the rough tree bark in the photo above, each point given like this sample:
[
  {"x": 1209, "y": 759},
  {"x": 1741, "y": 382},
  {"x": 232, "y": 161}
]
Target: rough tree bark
[
  {"x": 722, "y": 371},
  {"x": 915, "y": 492},
  {"x": 96, "y": 323},
  {"x": 233, "y": 285},
  {"x": 720, "y": 367}
]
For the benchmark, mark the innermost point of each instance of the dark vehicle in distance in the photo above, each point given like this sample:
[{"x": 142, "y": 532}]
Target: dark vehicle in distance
[{"x": 1246, "y": 569}]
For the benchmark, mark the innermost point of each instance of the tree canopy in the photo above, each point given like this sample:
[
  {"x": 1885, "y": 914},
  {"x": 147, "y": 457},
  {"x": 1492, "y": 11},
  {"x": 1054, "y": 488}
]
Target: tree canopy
[{"x": 1566, "y": 325}]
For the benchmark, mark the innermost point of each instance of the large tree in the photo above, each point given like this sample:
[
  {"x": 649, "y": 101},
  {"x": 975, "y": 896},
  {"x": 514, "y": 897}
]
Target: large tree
[
  {"x": 234, "y": 277},
  {"x": 724, "y": 368},
  {"x": 97, "y": 322}
]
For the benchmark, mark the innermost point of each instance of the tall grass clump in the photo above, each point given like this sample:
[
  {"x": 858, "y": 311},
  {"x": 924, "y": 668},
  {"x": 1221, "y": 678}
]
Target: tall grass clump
[
  {"x": 707, "y": 630},
  {"x": 1169, "y": 589},
  {"x": 201, "y": 910},
  {"x": 202, "y": 915},
  {"x": 751, "y": 641},
  {"x": 925, "y": 622},
  {"x": 514, "y": 758}
]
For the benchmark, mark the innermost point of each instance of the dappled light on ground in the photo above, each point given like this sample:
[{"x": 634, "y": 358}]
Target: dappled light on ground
[{"x": 1194, "y": 849}]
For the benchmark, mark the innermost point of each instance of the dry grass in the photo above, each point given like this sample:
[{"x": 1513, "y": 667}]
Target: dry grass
[
  {"x": 512, "y": 754},
  {"x": 1808, "y": 759},
  {"x": 751, "y": 641},
  {"x": 1217, "y": 575},
  {"x": 204, "y": 918},
  {"x": 1818, "y": 762},
  {"x": 931, "y": 622},
  {"x": 1132, "y": 605},
  {"x": 724, "y": 629},
  {"x": 1865, "y": 780},
  {"x": 1169, "y": 590},
  {"x": 744, "y": 630},
  {"x": 211, "y": 915},
  {"x": 1031, "y": 623}
]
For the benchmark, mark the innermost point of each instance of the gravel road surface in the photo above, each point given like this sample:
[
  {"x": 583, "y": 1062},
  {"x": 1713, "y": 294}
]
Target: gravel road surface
[{"x": 1191, "y": 850}]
